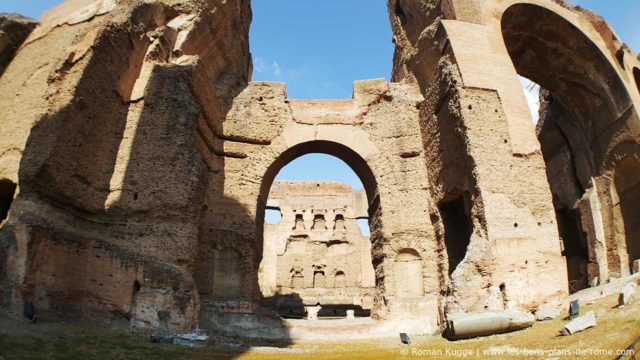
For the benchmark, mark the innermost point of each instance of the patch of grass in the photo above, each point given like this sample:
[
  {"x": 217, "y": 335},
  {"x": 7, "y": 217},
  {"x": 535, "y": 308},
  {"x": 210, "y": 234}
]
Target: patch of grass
[{"x": 616, "y": 329}]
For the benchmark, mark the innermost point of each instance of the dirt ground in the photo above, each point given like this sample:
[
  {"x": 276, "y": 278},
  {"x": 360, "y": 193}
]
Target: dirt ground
[{"x": 616, "y": 329}]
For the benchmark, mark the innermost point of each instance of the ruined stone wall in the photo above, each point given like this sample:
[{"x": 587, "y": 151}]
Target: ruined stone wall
[
  {"x": 317, "y": 251},
  {"x": 100, "y": 140},
  {"x": 136, "y": 161},
  {"x": 376, "y": 133},
  {"x": 481, "y": 147}
]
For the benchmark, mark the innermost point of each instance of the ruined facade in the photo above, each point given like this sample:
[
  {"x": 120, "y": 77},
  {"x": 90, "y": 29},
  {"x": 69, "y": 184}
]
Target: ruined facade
[
  {"x": 136, "y": 160},
  {"x": 316, "y": 253}
]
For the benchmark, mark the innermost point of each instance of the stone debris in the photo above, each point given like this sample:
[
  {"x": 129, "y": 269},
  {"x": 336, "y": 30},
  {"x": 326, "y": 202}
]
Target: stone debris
[
  {"x": 627, "y": 293},
  {"x": 194, "y": 339},
  {"x": 312, "y": 312},
  {"x": 579, "y": 324},
  {"x": 469, "y": 325},
  {"x": 574, "y": 309},
  {"x": 351, "y": 314},
  {"x": 547, "y": 313}
]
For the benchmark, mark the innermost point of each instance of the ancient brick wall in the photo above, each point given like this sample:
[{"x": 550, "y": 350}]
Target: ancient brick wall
[
  {"x": 136, "y": 160},
  {"x": 317, "y": 250}
]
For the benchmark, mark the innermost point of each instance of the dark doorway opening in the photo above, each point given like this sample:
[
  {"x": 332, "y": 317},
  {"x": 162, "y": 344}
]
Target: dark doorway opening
[
  {"x": 575, "y": 248},
  {"x": 457, "y": 229}
]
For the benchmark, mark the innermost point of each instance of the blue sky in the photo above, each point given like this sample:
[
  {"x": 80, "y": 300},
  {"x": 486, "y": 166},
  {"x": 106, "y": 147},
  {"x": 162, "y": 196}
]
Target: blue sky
[{"x": 319, "y": 47}]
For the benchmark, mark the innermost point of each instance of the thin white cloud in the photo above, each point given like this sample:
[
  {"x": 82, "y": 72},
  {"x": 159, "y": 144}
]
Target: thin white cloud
[
  {"x": 267, "y": 68},
  {"x": 532, "y": 93},
  {"x": 276, "y": 69},
  {"x": 260, "y": 65}
]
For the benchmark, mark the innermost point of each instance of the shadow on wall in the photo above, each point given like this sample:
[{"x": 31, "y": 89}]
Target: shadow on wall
[
  {"x": 118, "y": 253},
  {"x": 627, "y": 207},
  {"x": 226, "y": 275},
  {"x": 230, "y": 252},
  {"x": 88, "y": 262},
  {"x": 108, "y": 221},
  {"x": 128, "y": 265}
]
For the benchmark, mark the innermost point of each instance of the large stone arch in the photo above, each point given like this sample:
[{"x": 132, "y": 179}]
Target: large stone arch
[
  {"x": 353, "y": 158},
  {"x": 386, "y": 155},
  {"x": 587, "y": 109},
  {"x": 455, "y": 50}
]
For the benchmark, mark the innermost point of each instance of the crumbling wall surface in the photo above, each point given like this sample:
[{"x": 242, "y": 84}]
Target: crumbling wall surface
[
  {"x": 100, "y": 140},
  {"x": 317, "y": 250},
  {"x": 513, "y": 237},
  {"x": 264, "y": 131},
  {"x": 14, "y": 29},
  {"x": 584, "y": 122},
  {"x": 481, "y": 148},
  {"x": 415, "y": 24}
]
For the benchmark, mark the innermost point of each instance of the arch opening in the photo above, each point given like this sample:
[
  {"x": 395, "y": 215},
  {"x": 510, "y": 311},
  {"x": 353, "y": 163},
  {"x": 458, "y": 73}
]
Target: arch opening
[
  {"x": 457, "y": 226},
  {"x": 582, "y": 99},
  {"x": 319, "y": 235},
  {"x": 272, "y": 215},
  {"x": 636, "y": 77}
]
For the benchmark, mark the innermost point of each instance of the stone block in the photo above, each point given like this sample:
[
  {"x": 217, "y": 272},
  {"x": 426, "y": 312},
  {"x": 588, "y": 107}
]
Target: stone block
[
  {"x": 547, "y": 314},
  {"x": 579, "y": 324},
  {"x": 351, "y": 314},
  {"x": 627, "y": 293},
  {"x": 373, "y": 87},
  {"x": 469, "y": 325},
  {"x": 312, "y": 312},
  {"x": 194, "y": 339}
]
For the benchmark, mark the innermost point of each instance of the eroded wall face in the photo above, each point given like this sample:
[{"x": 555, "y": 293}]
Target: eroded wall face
[
  {"x": 317, "y": 253},
  {"x": 536, "y": 206},
  {"x": 143, "y": 157},
  {"x": 376, "y": 133},
  {"x": 100, "y": 142}
]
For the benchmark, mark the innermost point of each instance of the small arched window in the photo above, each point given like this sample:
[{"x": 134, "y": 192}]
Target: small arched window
[
  {"x": 319, "y": 222},
  {"x": 340, "y": 280},
  {"x": 297, "y": 280},
  {"x": 408, "y": 274},
  {"x": 299, "y": 225},
  {"x": 339, "y": 223},
  {"x": 318, "y": 279}
]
